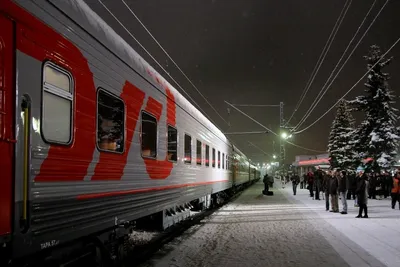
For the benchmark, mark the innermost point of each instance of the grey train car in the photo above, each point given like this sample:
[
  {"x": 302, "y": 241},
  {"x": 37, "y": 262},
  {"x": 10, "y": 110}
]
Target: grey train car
[{"x": 92, "y": 138}]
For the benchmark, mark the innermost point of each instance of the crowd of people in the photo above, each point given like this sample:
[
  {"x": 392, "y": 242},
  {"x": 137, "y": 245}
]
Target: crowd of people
[{"x": 335, "y": 185}]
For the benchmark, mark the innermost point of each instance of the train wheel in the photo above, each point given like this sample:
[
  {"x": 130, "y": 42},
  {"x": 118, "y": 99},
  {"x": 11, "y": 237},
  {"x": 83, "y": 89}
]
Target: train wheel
[{"x": 99, "y": 257}]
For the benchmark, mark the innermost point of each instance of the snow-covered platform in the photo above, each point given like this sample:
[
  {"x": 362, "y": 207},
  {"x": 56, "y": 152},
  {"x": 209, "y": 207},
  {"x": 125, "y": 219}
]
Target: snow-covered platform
[{"x": 286, "y": 230}]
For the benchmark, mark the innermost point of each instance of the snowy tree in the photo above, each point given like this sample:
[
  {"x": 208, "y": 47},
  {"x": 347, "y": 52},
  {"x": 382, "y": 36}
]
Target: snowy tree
[
  {"x": 340, "y": 146},
  {"x": 377, "y": 136}
]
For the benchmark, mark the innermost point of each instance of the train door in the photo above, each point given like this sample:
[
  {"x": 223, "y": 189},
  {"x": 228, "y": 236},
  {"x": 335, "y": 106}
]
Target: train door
[
  {"x": 234, "y": 170},
  {"x": 7, "y": 137}
]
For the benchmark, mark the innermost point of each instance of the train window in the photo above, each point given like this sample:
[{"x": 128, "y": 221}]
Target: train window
[
  {"x": 188, "y": 149},
  {"x": 149, "y": 135},
  {"x": 223, "y": 160},
  {"x": 213, "y": 157},
  {"x": 219, "y": 160},
  {"x": 227, "y": 162},
  {"x": 110, "y": 122},
  {"x": 57, "y": 104},
  {"x": 172, "y": 144},
  {"x": 198, "y": 153},
  {"x": 207, "y": 155}
]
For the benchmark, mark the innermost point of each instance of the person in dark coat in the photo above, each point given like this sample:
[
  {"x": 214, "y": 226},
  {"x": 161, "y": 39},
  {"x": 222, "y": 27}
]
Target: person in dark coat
[
  {"x": 318, "y": 183},
  {"x": 295, "y": 182},
  {"x": 343, "y": 187},
  {"x": 362, "y": 195},
  {"x": 310, "y": 181},
  {"x": 266, "y": 183},
  {"x": 372, "y": 185},
  {"x": 326, "y": 188},
  {"x": 395, "y": 193},
  {"x": 351, "y": 190},
  {"x": 333, "y": 191}
]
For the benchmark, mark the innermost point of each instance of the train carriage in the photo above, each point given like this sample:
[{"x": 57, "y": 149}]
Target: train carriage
[{"x": 92, "y": 136}]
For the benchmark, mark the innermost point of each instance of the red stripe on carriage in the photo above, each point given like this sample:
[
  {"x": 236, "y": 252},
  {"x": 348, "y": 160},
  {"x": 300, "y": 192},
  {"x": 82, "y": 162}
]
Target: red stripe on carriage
[
  {"x": 111, "y": 165},
  {"x": 41, "y": 42},
  {"x": 161, "y": 169}
]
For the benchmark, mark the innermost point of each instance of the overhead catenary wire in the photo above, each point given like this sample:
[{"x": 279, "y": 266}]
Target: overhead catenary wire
[
  {"x": 148, "y": 53},
  {"x": 265, "y": 153},
  {"x": 173, "y": 61},
  {"x": 321, "y": 58},
  {"x": 265, "y": 127},
  {"x": 341, "y": 20},
  {"x": 252, "y": 105},
  {"x": 362, "y": 77},
  {"x": 326, "y": 87}
]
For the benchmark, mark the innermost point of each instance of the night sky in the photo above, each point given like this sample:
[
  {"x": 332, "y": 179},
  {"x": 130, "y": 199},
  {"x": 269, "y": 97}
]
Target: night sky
[{"x": 259, "y": 52}]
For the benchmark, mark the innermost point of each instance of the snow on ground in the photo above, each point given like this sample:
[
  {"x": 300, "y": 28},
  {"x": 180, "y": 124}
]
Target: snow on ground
[
  {"x": 142, "y": 237},
  {"x": 285, "y": 230},
  {"x": 361, "y": 242}
]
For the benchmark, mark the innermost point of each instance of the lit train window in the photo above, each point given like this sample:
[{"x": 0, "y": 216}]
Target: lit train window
[
  {"x": 213, "y": 157},
  {"x": 188, "y": 149},
  {"x": 57, "y": 104},
  {"x": 198, "y": 153},
  {"x": 110, "y": 122},
  {"x": 219, "y": 160},
  {"x": 207, "y": 156},
  {"x": 172, "y": 144},
  {"x": 223, "y": 160},
  {"x": 149, "y": 135}
]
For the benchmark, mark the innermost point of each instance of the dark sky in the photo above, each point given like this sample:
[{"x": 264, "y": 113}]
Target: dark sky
[{"x": 259, "y": 52}]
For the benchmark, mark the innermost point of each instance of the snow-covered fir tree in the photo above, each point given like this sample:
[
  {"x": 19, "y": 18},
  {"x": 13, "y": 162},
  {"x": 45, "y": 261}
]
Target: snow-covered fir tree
[
  {"x": 377, "y": 136},
  {"x": 340, "y": 146}
]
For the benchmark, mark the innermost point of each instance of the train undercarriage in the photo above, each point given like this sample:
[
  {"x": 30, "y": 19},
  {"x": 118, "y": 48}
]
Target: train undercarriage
[{"x": 113, "y": 247}]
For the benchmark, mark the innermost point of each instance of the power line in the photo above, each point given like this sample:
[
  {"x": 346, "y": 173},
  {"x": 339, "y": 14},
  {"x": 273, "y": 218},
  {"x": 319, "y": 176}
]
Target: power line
[
  {"x": 326, "y": 87},
  {"x": 309, "y": 149},
  {"x": 252, "y": 105},
  {"x": 162, "y": 48},
  {"x": 148, "y": 53},
  {"x": 321, "y": 58},
  {"x": 326, "y": 52},
  {"x": 240, "y": 133},
  {"x": 254, "y": 120},
  {"x": 265, "y": 153},
  {"x": 362, "y": 77}
]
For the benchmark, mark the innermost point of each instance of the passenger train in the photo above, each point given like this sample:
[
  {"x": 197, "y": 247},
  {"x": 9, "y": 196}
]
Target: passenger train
[{"x": 92, "y": 138}]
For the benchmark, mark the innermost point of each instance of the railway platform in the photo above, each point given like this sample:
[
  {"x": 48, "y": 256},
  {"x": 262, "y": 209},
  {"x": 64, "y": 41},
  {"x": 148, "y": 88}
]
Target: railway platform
[{"x": 286, "y": 230}]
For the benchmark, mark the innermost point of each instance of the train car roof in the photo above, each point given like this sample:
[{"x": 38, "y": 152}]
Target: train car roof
[
  {"x": 240, "y": 153},
  {"x": 81, "y": 13}
]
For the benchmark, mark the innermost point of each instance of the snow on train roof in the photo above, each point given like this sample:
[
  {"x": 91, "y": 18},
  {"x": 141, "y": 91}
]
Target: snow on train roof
[
  {"x": 239, "y": 152},
  {"x": 87, "y": 18}
]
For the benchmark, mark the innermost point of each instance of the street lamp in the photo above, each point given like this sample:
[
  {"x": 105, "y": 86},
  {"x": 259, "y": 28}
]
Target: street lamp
[{"x": 286, "y": 136}]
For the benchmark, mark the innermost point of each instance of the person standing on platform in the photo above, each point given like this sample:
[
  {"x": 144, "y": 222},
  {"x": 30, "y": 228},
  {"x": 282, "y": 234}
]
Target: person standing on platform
[
  {"x": 362, "y": 195},
  {"x": 271, "y": 181},
  {"x": 326, "y": 188},
  {"x": 310, "y": 181},
  {"x": 318, "y": 183},
  {"x": 343, "y": 187},
  {"x": 333, "y": 191},
  {"x": 395, "y": 194},
  {"x": 295, "y": 182},
  {"x": 266, "y": 182},
  {"x": 301, "y": 181}
]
